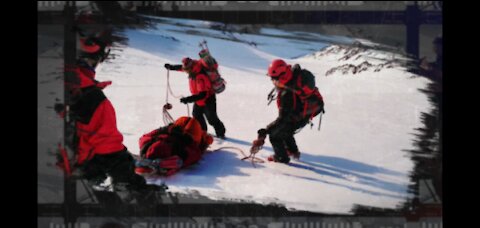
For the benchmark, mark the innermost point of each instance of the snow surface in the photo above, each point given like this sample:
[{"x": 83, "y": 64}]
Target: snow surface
[{"x": 356, "y": 158}]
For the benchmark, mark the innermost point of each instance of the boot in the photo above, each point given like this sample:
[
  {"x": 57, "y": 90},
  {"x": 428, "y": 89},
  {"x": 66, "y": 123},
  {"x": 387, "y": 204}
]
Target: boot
[
  {"x": 274, "y": 158},
  {"x": 295, "y": 155}
]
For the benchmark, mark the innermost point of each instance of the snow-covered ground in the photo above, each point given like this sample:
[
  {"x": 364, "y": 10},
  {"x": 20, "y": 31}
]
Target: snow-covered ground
[{"x": 356, "y": 158}]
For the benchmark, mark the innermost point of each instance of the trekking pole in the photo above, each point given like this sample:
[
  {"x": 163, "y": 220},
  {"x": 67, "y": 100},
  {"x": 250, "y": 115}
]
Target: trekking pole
[
  {"x": 320, "y": 120},
  {"x": 203, "y": 44},
  {"x": 206, "y": 45},
  {"x": 89, "y": 192}
]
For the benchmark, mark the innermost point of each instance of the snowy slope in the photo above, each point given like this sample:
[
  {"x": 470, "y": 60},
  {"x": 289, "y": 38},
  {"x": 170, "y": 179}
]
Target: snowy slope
[{"x": 356, "y": 158}]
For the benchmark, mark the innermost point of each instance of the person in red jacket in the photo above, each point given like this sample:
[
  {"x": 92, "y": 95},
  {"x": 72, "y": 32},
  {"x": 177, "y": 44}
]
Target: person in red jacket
[
  {"x": 203, "y": 96},
  {"x": 294, "y": 111},
  {"x": 98, "y": 143},
  {"x": 166, "y": 150}
]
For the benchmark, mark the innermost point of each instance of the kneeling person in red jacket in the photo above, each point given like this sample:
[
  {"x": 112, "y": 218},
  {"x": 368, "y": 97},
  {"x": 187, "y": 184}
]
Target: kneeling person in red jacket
[
  {"x": 298, "y": 101},
  {"x": 99, "y": 145}
]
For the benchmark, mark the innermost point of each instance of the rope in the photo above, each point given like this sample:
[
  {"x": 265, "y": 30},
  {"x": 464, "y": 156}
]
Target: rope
[
  {"x": 169, "y": 89},
  {"x": 167, "y": 118},
  {"x": 168, "y": 86},
  {"x": 245, "y": 156}
]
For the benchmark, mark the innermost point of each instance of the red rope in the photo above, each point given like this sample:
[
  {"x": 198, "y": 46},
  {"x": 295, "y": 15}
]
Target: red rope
[{"x": 245, "y": 156}]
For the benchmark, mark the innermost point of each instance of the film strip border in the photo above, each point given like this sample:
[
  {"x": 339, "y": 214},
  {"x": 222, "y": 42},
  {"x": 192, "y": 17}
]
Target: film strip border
[
  {"x": 251, "y": 5},
  {"x": 256, "y": 222}
]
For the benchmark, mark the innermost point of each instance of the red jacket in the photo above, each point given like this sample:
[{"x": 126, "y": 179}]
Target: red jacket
[
  {"x": 96, "y": 123},
  {"x": 197, "y": 80},
  {"x": 100, "y": 135},
  {"x": 86, "y": 77},
  {"x": 200, "y": 83}
]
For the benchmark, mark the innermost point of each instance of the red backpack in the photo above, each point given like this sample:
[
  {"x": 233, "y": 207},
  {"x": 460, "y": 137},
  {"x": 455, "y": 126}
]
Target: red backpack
[
  {"x": 210, "y": 68},
  {"x": 309, "y": 94}
]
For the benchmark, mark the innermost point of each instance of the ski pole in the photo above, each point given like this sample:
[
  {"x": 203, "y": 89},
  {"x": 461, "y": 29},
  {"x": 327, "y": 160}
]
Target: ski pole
[
  {"x": 90, "y": 194},
  {"x": 320, "y": 120}
]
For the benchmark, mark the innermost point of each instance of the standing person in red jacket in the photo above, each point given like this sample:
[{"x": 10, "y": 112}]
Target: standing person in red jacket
[
  {"x": 98, "y": 143},
  {"x": 202, "y": 94}
]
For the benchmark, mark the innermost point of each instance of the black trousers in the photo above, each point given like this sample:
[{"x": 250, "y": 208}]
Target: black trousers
[
  {"x": 210, "y": 112},
  {"x": 281, "y": 137},
  {"x": 119, "y": 166}
]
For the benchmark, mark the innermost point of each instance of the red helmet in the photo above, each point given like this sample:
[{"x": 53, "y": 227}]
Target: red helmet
[
  {"x": 94, "y": 48},
  {"x": 276, "y": 68},
  {"x": 89, "y": 45},
  {"x": 279, "y": 70}
]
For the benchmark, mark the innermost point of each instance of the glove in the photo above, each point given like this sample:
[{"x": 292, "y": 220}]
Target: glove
[
  {"x": 257, "y": 145},
  {"x": 168, "y": 66},
  {"x": 184, "y": 100},
  {"x": 262, "y": 133},
  {"x": 59, "y": 108},
  {"x": 258, "y": 142}
]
